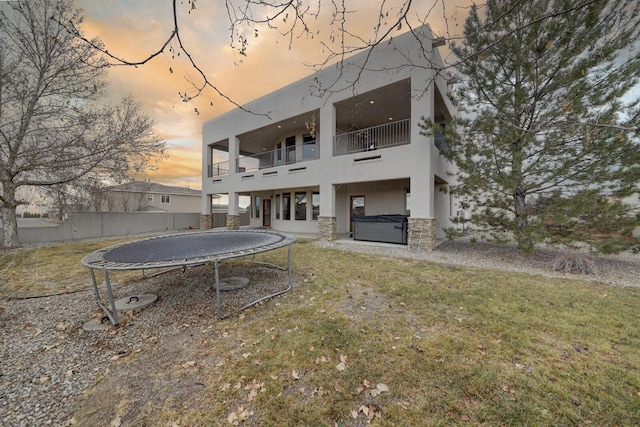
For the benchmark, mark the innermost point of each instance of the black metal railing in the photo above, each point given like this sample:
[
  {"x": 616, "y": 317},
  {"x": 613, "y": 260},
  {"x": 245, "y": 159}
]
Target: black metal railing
[
  {"x": 268, "y": 159},
  {"x": 372, "y": 138}
]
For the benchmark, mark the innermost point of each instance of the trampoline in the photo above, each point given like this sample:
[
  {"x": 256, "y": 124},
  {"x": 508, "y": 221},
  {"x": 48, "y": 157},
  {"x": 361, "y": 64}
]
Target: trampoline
[{"x": 181, "y": 251}]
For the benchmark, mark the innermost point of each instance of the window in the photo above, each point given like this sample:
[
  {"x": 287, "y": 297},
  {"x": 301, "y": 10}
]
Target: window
[
  {"x": 301, "y": 206},
  {"x": 290, "y": 148},
  {"x": 309, "y": 147},
  {"x": 315, "y": 203},
  {"x": 165, "y": 199},
  {"x": 149, "y": 197},
  {"x": 407, "y": 201},
  {"x": 277, "y": 206},
  {"x": 286, "y": 206}
]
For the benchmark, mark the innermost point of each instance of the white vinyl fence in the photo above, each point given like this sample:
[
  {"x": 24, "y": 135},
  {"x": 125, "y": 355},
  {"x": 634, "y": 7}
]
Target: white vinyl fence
[{"x": 88, "y": 225}]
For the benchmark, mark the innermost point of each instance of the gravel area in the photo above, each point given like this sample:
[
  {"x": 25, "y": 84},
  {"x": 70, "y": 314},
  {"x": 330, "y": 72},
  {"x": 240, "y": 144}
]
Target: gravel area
[
  {"x": 47, "y": 360},
  {"x": 615, "y": 270}
]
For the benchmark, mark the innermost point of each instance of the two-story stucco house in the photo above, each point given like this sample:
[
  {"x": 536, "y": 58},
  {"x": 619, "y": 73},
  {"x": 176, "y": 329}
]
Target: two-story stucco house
[
  {"x": 319, "y": 160},
  {"x": 145, "y": 196}
]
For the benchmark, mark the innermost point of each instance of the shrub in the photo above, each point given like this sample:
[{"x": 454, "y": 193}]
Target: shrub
[{"x": 575, "y": 263}]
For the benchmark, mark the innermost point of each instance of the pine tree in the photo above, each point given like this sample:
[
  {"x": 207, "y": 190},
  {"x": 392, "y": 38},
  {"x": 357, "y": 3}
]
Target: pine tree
[{"x": 550, "y": 146}]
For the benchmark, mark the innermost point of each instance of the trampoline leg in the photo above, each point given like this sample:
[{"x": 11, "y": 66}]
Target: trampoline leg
[
  {"x": 111, "y": 313},
  {"x": 217, "y": 291},
  {"x": 289, "y": 265},
  {"x": 114, "y": 312},
  {"x": 277, "y": 293}
]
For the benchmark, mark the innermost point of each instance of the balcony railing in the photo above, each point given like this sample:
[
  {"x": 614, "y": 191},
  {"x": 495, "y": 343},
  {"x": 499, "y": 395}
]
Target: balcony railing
[
  {"x": 382, "y": 136},
  {"x": 218, "y": 169},
  {"x": 268, "y": 159}
]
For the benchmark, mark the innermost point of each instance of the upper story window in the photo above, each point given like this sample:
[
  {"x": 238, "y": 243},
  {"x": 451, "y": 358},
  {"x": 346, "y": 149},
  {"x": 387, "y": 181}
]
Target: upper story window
[
  {"x": 150, "y": 197},
  {"x": 165, "y": 199}
]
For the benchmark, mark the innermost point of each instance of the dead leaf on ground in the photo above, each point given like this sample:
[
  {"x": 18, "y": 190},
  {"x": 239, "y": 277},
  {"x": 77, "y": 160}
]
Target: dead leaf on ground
[
  {"x": 343, "y": 363},
  {"x": 321, "y": 359},
  {"x": 382, "y": 387},
  {"x": 238, "y": 416}
]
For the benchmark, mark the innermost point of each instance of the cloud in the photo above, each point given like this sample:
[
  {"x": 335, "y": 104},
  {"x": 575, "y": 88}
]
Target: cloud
[
  {"x": 134, "y": 30},
  {"x": 181, "y": 168}
]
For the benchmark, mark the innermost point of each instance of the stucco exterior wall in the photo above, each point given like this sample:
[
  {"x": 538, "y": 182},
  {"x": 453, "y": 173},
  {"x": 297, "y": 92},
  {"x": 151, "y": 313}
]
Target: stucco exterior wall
[{"x": 382, "y": 175}]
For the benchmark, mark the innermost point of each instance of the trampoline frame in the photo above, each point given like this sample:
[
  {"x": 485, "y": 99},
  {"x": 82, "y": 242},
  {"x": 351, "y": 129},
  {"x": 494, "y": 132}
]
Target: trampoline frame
[{"x": 95, "y": 261}]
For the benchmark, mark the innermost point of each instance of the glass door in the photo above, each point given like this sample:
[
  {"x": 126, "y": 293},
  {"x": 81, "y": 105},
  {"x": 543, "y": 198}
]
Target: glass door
[
  {"x": 290, "y": 148},
  {"x": 266, "y": 213}
]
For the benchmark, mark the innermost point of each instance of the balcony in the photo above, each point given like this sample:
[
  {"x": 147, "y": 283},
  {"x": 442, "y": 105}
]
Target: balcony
[
  {"x": 372, "y": 138},
  {"x": 218, "y": 169},
  {"x": 268, "y": 159}
]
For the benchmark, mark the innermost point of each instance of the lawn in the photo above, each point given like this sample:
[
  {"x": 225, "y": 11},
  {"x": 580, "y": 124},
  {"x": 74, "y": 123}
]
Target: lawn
[
  {"x": 49, "y": 269},
  {"x": 395, "y": 341}
]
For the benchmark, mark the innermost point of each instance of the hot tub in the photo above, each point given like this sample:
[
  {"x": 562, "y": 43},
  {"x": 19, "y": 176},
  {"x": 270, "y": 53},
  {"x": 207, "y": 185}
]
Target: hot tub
[{"x": 381, "y": 228}]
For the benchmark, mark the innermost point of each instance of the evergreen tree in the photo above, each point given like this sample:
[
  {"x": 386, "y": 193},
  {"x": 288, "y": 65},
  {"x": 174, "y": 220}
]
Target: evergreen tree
[{"x": 549, "y": 148}]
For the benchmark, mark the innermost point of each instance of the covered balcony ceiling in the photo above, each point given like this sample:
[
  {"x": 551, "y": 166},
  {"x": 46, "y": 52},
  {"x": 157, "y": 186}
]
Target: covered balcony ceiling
[
  {"x": 263, "y": 139},
  {"x": 386, "y": 104}
]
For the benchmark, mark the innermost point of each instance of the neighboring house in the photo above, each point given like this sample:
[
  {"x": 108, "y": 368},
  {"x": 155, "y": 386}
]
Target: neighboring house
[
  {"x": 143, "y": 196},
  {"x": 318, "y": 161}
]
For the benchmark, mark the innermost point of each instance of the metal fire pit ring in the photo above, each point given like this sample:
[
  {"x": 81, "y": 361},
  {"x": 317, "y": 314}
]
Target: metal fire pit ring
[{"x": 181, "y": 251}]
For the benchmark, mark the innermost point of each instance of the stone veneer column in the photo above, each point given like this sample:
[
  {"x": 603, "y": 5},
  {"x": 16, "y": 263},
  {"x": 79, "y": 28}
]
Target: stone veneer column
[
  {"x": 233, "y": 222},
  {"x": 421, "y": 234},
  {"x": 327, "y": 228},
  {"x": 206, "y": 221}
]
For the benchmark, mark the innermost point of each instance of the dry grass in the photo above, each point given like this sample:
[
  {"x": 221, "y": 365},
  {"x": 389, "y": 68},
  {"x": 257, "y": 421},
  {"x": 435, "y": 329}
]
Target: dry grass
[
  {"x": 366, "y": 339},
  {"x": 575, "y": 263},
  {"x": 47, "y": 270}
]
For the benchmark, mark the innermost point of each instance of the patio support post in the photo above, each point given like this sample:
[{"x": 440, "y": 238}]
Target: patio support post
[
  {"x": 421, "y": 234},
  {"x": 234, "y": 154},
  {"x": 206, "y": 217},
  {"x": 327, "y": 221},
  {"x": 327, "y": 130},
  {"x": 327, "y": 228},
  {"x": 422, "y": 222},
  {"x": 233, "y": 217}
]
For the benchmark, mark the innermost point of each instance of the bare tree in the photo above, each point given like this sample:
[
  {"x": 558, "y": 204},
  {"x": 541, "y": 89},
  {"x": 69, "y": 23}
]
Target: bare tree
[
  {"x": 343, "y": 33},
  {"x": 291, "y": 19},
  {"x": 82, "y": 195},
  {"x": 59, "y": 200},
  {"x": 126, "y": 201},
  {"x": 53, "y": 129}
]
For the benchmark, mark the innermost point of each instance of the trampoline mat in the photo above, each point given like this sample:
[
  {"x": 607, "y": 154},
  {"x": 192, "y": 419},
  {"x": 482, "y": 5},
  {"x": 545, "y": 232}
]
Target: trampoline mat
[{"x": 188, "y": 246}]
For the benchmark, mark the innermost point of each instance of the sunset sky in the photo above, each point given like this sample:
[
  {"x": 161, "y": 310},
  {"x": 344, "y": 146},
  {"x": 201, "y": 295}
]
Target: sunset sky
[{"x": 133, "y": 29}]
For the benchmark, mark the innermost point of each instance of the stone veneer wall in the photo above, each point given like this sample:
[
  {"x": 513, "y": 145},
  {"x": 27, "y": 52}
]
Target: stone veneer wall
[
  {"x": 206, "y": 221},
  {"x": 421, "y": 234},
  {"x": 233, "y": 222},
  {"x": 327, "y": 228}
]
